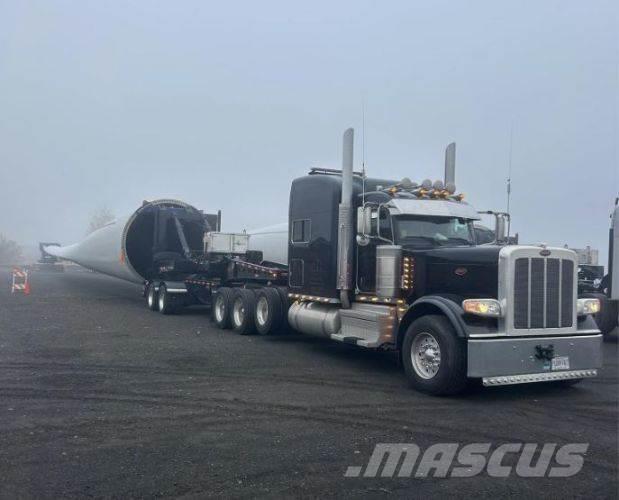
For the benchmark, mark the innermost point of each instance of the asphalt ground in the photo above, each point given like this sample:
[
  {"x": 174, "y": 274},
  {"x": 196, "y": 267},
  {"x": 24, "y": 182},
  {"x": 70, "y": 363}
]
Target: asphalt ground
[{"x": 100, "y": 397}]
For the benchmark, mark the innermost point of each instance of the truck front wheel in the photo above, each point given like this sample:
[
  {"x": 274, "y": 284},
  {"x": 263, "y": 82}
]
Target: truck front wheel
[{"x": 434, "y": 358}]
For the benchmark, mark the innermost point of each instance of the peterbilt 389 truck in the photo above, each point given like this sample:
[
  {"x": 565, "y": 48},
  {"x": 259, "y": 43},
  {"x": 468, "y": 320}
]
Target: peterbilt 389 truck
[
  {"x": 381, "y": 264},
  {"x": 387, "y": 264}
]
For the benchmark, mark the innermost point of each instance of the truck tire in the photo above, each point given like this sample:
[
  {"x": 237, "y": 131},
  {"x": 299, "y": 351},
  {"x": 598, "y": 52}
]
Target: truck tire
[
  {"x": 242, "y": 311},
  {"x": 434, "y": 358},
  {"x": 220, "y": 308},
  {"x": 268, "y": 311},
  {"x": 166, "y": 301},
  {"x": 152, "y": 297}
]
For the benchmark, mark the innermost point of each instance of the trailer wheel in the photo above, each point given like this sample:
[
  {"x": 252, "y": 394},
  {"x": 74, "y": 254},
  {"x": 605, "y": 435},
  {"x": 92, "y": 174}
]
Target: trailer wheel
[
  {"x": 243, "y": 311},
  {"x": 268, "y": 312},
  {"x": 166, "y": 301},
  {"x": 152, "y": 299},
  {"x": 222, "y": 299},
  {"x": 434, "y": 358}
]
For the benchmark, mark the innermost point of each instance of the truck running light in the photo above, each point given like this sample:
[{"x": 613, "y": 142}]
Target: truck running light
[
  {"x": 408, "y": 267},
  {"x": 587, "y": 306},
  {"x": 483, "y": 307}
]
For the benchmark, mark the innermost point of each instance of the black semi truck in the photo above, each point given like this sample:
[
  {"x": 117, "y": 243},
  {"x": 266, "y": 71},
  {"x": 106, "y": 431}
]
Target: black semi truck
[
  {"x": 593, "y": 283},
  {"x": 388, "y": 264}
]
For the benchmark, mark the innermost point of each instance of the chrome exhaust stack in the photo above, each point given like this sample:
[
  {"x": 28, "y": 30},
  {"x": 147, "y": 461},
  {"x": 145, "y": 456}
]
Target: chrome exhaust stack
[
  {"x": 450, "y": 168},
  {"x": 345, "y": 222}
]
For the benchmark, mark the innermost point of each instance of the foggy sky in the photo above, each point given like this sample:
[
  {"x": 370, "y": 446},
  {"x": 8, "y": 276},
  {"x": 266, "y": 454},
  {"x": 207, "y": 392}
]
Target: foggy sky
[{"x": 222, "y": 104}]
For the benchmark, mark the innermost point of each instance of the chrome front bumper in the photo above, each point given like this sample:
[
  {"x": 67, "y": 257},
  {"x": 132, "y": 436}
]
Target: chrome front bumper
[{"x": 502, "y": 361}]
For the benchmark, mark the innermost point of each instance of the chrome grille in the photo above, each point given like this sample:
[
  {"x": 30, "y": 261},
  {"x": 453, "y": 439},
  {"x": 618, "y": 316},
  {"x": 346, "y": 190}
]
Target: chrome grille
[
  {"x": 553, "y": 282},
  {"x": 543, "y": 293},
  {"x": 567, "y": 293}
]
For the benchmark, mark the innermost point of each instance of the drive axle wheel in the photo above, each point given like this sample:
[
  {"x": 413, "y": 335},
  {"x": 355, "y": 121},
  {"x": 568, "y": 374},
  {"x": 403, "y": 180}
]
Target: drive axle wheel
[
  {"x": 243, "y": 311},
  {"x": 221, "y": 308},
  {"x": 152, "y": 299},
  {"x": 269, "y": 314},
  {"x": 434, "y": 358}
]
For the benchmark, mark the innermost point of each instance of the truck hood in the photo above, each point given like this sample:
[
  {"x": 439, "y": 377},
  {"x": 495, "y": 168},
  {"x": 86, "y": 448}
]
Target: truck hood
[{"x": 460, "y": 272}]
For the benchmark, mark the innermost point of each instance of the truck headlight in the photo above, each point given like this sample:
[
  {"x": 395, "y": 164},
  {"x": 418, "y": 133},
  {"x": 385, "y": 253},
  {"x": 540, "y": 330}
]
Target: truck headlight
[
  {"x": 483, "y": 307},
  {"x": 587, "y": 306}
]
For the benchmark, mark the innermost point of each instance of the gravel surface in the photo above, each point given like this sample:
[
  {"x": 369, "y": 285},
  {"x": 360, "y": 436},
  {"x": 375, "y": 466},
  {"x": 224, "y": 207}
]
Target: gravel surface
[{"x": 101, "y": 397}]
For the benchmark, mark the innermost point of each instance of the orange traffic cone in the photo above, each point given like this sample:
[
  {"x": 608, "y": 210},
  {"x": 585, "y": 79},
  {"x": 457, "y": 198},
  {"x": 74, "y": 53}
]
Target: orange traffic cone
[{"x": 27, "y": 288}]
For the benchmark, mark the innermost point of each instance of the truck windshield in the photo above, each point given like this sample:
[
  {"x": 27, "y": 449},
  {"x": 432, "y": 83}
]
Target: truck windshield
[{"x": 429, "y": 232}]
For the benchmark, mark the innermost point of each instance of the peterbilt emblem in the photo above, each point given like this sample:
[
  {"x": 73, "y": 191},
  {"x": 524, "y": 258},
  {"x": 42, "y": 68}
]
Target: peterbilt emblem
[
  {"x": 461, "y": 271},
  {"x": 545, "y": 252}
]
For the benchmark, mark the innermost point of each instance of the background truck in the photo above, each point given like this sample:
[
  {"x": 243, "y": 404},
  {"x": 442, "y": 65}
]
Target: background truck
[
  {"x": 592, "y": 283},
  {"x": 48, "y": 262},
  {"x": 388, "y": 264}
]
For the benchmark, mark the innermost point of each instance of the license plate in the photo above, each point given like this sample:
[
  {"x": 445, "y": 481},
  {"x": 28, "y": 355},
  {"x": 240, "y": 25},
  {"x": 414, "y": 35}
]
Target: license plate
[{"x": 561, "y": 363}]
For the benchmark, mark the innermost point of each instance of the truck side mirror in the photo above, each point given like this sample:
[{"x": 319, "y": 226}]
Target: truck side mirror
[
  {"x": 364, "y": 221},
  {"x": 364, "y": 226}
]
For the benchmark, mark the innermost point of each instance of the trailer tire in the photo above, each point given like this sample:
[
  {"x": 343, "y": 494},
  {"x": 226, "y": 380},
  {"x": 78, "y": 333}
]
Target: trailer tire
[
  {"x": 242, "y": 311},
  {"x": 434, "y": 358},
  {"x": 220, "y": 309},
  {"x": 268, "y": 311},
  {"x": 152, "y": 297},
  {"x": 166, "y": 302}
]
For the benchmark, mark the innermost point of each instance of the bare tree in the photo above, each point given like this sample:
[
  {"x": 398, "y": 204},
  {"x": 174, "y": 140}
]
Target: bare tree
[
  {"x": 10, "y": 251},
  {"x": 100, "y": 217}
]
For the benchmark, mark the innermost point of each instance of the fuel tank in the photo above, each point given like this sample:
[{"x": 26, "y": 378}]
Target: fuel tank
[{"x": 125, "y": 247}]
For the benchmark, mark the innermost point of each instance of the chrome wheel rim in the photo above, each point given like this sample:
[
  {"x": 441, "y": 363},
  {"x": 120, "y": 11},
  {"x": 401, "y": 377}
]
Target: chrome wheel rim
[
  {"x": 262, "y": 311},
  {"x": 426, "y": 355},
  {"x": 220, "y": 309},
  {"x": 238, "y": 312},
  {"x": 151, "y": 297},
  {"x": 161, "y": 300}
]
